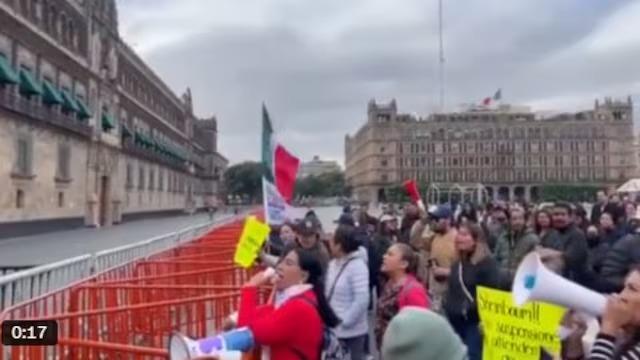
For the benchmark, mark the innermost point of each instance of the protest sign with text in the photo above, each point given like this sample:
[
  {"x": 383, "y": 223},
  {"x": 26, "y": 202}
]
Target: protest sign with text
[
  {"x": 512, "y": 332},
  {"x": 253, "y": 237}
]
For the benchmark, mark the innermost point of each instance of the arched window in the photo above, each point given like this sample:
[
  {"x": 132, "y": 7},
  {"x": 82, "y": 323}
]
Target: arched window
[
  {"x": 63, "y": 29},
  {"x": 44, "y": 19},
  {"x": 53, "y": 21},
  {"x": 36, "y": 11},
  {"x": 73, "y": 41},
  {"x": 25, "y": 8}
]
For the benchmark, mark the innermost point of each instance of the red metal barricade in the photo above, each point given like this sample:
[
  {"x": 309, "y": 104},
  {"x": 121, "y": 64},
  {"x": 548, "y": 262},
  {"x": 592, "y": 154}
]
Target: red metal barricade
[{"x": 129, "y": 312}]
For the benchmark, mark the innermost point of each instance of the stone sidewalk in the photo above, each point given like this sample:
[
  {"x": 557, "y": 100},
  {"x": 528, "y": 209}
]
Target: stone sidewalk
[{"x": 55, "y": 246}]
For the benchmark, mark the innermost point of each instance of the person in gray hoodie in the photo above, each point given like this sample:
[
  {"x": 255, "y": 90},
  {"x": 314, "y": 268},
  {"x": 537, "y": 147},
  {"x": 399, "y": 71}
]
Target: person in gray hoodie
[{"x": 347, "y": 289}]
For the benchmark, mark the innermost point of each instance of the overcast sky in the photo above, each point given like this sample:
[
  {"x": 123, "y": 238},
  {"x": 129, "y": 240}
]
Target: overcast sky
[{"x": 317, "y": 63}]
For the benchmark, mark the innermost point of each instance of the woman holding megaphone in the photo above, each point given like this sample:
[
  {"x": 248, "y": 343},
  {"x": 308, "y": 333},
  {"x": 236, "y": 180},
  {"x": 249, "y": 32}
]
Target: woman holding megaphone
[{"x": 619, "y": 336}]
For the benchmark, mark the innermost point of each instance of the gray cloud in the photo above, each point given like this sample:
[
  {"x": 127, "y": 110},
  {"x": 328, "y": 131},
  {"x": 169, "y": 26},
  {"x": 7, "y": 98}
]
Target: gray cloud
[{"x": 317, "y": 64}]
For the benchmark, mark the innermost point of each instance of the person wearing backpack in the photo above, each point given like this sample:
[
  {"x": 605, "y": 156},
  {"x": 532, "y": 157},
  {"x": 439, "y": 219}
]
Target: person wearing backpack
[
  {"x": 402, "y": 289},
  {"x": 347, "y": 289},
  {"x": 294, "y": 326}
]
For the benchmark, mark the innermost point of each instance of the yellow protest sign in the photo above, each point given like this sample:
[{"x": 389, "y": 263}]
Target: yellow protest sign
[
  {"x": 254, "y": 234},
  {"x": 517, "y": 333}
]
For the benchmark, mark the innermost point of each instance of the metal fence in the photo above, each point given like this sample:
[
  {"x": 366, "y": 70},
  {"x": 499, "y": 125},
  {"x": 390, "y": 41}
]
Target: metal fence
[{"x": 24, "y": 285}]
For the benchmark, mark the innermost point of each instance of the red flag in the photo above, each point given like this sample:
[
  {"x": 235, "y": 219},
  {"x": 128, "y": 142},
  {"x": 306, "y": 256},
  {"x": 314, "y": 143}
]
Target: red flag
[
  {"x": 412, "y": 190},
  {"x": 285, "y": 171}
]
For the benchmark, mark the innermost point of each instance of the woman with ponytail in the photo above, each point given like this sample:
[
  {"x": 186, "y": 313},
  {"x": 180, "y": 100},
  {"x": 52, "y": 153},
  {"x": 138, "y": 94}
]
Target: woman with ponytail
[{"x": 292, "y": 327}]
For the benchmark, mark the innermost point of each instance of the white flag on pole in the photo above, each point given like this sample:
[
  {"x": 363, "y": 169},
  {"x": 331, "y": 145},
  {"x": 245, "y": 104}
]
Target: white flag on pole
[{"x": 276, "y": 209}]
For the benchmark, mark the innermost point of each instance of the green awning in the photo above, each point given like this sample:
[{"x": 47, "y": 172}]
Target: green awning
[
  {"x": 50, "y": 94},
  {"x": 68, "y": 103},
  {"x": 143, "y": 139},
  {"x": 138, "y": 138},
  {"x": 84, "y": 111},
  {"x": 7, "y": 74},
  {"x": 159, "y": 147},
  {"x": 29, "y": 85},
  {"x": 108, "y": 122},
  {"x": 125, "y": 131}
]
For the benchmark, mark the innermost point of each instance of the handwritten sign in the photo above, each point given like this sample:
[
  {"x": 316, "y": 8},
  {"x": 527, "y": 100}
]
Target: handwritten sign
[
  {"x": 517, "y": 333},
  {"x": 253, "y": 237}
]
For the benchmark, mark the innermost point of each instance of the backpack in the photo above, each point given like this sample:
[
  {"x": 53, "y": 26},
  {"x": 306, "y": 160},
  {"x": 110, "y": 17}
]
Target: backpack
[{"x": 331, "y": 348}]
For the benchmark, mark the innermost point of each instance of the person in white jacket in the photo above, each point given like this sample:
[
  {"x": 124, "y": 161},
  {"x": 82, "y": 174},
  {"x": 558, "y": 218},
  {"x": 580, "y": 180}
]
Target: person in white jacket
[{"x": 347, "y": 289}]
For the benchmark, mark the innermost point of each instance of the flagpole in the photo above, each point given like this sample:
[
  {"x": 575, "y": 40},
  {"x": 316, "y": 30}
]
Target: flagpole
[{"x": 441, "y": 57}]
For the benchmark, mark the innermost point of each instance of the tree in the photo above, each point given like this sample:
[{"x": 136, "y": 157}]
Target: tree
[
  {"x": 323, "y": 185},
  {"x": 245, "y": 179}
]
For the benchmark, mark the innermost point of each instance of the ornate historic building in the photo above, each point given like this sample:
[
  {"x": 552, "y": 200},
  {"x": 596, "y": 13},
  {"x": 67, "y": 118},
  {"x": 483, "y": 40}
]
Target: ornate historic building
[
  {"x": 317, "y": 167},
  {"x": 89, "y": 134},
  {"x": 504, "y": 153}
]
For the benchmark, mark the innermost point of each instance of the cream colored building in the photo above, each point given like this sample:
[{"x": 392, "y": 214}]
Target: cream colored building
[
  {"x": 317, "y": 167},
  {"x": 506, "y": 152},
  {"x": 89, "y": 134}
]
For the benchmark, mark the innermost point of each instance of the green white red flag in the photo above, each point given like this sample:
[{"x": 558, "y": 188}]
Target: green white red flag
[{"x": 281, "y": 167}]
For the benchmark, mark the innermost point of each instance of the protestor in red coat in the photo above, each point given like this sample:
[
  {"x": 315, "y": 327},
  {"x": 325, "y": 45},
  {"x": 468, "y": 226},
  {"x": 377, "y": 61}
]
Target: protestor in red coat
[{"x": 292, "y": 327}]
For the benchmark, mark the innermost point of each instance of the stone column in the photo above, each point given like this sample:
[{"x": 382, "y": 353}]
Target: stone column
[
  {"x": 512, "y": 193},
  {"x": 527, "y": 193}
]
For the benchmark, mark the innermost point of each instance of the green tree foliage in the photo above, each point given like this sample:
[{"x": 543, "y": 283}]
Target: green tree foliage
[
  {"x": 245, "y": 179},
  {"x": 573, "y": 193},
  {"x": 324, "y": 185}
]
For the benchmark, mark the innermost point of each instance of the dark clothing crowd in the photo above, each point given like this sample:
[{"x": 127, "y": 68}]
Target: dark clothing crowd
[{"x": 406, "y": 271}]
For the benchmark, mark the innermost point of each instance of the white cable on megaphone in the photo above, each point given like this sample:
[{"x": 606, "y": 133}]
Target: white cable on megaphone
[{"x": 533, "y": 281}]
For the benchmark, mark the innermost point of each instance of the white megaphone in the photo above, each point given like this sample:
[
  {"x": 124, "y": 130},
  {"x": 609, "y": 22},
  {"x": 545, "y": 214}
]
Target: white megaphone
[
  {"x": 226, "y": 346},
  {"x": 533, "y": 281}
]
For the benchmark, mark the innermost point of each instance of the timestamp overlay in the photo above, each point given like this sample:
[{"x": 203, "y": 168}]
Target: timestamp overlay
[{"x": 29, "y": 332}]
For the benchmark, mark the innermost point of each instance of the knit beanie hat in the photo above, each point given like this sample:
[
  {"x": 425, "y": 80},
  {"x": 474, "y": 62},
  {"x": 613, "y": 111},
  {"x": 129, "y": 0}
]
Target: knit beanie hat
[{"x": 420, "y": 334}]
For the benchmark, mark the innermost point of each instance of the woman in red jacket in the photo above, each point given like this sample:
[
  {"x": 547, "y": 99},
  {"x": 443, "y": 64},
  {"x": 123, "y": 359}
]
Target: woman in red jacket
[
  {"x": 292, "y": 327},
  {"x": 401, "y": 289}
]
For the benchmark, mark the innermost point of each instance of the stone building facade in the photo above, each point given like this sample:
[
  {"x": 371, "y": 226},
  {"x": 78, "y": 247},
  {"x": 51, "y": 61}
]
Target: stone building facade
[
  {"x": 503, "y": 153},
  {"x": 89, "y": 134}
]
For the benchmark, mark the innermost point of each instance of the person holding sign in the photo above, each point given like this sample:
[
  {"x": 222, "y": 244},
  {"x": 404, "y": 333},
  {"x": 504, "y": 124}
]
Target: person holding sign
[
  {"x": 475, "y": 267},
  {"x": 292, "y": 328}
]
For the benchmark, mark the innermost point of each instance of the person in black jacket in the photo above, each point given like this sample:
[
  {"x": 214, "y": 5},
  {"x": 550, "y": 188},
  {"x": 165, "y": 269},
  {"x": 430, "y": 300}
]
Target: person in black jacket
[
  {"x": 475, "y": 267},
  {"x": 571, "y": 242},
  {"x": 624, "y": 254},
  {"x": 603, "y": 205}
]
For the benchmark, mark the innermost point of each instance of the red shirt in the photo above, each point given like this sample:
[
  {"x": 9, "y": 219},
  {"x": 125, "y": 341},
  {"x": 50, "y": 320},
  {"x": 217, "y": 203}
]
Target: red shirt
[
  {"x": 413, "y": 294},
  {"x": 296, "y": 324}
]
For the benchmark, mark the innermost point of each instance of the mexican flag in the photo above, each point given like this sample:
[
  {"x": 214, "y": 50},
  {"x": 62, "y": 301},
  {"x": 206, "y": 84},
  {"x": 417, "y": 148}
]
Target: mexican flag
[{"x": 281, "y": 167}]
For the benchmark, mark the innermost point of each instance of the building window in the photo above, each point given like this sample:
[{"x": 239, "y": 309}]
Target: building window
[
  {"x": 141, "y": 178},
  {"x": 160, "y": 180},
  {"x": 382, "y": 149},
  {"x": 129, "y": 180},
  {"x": 24, "y": 156},
  {"x": 151, "y": 179},
  {"x": 19, "y": 199},
  {"x": 61, "y": 199},
  {"x": 64, "y": 162},
  {"x": 383, "y": 163}
]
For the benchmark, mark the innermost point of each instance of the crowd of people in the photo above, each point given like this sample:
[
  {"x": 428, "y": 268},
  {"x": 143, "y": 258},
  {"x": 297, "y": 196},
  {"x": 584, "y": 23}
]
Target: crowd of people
[{"x": 410, "y": 277}]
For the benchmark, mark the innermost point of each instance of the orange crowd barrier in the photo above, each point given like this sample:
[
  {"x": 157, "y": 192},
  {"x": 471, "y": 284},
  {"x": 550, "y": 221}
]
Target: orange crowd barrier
[{"x": 129, "y": 312}]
